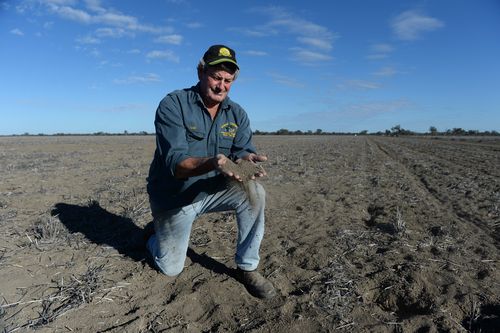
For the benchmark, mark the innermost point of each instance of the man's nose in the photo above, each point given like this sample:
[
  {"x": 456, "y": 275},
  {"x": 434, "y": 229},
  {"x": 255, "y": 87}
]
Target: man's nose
[{"x": 220, "y": 85}]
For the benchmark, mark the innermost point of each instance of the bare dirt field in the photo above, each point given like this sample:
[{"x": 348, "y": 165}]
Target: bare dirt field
[{"x": 364, "y": 234}]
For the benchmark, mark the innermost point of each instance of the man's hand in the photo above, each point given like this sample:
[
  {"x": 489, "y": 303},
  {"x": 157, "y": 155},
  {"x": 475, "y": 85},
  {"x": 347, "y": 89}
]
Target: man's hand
[
  {"x": 219, "y": 162},
  {"x": 256, "y": 158},
  {"x": 226, "y": 167}
]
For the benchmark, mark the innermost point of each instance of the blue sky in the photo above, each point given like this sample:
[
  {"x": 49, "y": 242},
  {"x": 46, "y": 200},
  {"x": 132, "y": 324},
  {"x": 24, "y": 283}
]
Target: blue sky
[{"x": 89, "y": 66}]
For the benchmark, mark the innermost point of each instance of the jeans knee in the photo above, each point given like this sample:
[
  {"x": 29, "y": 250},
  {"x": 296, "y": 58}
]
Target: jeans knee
[
  {"x": 259, "y": 189},
  {"x": 257, "y": 195}
]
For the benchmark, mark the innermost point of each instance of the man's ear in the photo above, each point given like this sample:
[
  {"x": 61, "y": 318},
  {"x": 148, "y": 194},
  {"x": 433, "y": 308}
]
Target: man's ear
[{"x": 200, "y": 72}]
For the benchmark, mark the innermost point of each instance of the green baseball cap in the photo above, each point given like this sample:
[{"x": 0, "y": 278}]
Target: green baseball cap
[{"x": 217, "y": 54}]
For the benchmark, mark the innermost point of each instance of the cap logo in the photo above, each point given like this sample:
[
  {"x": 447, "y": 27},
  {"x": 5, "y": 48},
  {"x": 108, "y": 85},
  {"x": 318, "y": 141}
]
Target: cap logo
[{"x": 223, "y": 52}]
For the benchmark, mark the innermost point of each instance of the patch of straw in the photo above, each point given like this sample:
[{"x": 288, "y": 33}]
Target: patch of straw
[
  {"x": 69, "y": 295},
  {"x": 48, "y": 231}
]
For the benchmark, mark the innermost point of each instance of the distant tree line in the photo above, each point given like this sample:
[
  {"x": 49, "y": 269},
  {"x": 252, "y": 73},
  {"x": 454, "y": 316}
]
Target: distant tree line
[{"x": 396, "y": 130}]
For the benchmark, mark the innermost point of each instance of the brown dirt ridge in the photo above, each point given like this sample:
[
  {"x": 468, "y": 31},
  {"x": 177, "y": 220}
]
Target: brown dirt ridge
[{"x": 363, "y": 234}]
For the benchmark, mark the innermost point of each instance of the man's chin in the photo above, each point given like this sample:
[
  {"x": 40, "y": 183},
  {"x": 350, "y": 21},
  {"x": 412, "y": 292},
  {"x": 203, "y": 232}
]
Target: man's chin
[{"x": 218, "y": 98}]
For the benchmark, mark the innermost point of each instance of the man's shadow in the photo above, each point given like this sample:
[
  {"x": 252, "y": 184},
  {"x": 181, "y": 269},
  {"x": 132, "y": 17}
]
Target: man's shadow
[
  {"x": 211, "y": 264},
  {"x": 102, "y": 227},
  {"x": 105, "y": 228}
]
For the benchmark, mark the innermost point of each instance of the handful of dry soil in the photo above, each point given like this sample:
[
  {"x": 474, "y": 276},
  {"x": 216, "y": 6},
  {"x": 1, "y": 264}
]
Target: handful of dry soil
[{"x": 245, "y": 169}]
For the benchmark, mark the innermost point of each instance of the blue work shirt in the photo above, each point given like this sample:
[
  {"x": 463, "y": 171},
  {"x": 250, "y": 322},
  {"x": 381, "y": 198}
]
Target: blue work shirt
[{"x": 185, "y": 129}]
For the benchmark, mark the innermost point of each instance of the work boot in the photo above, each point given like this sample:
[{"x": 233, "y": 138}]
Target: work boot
[{"x": 256, "y": 284}]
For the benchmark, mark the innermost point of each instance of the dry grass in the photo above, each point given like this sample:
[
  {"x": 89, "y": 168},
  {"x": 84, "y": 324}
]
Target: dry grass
[
  {"x": 47, "y": 232},
  {"x": 69, "y": 294},
  {"x": 158, "y": 323},
  {"x": 338, "y": 295},
  {"x": 398, "y": 223},
  {"x": 134, "y": 204},
  {"x": 337, "y": 285}
]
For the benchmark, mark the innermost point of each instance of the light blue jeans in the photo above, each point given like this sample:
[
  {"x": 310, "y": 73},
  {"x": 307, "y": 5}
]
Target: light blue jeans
[{"x": 169, "y": 244}]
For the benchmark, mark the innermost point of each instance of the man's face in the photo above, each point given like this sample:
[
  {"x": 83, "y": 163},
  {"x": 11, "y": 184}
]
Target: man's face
[{"x": 214, "y": 85}]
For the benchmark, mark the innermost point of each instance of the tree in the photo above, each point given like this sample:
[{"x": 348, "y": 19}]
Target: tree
[
  {"x": 396, "y": 130},
  {"x": 433, "y": 130},
  {"x": 458, "y": 131}
]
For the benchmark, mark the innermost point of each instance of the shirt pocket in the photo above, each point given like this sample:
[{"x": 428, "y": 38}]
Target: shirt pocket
[
  {"x": 194, "y": 135},
  {"x": 225, "y": 145},
  {"x": 196, "y": 143}
]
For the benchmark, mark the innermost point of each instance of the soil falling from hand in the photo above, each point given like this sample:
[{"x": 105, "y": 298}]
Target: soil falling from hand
[{"x": 246, "y": 170}]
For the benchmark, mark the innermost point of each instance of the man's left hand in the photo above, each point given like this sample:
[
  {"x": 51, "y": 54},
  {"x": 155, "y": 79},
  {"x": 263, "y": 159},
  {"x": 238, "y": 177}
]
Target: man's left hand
[{"x": 255, "y": 158}]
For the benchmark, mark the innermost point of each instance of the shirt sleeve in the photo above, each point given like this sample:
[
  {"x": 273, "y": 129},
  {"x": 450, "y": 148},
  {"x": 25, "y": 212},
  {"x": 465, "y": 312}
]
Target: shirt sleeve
[
  {"x": 170, "y": 133},
  {"x": 242, "y": 144}
]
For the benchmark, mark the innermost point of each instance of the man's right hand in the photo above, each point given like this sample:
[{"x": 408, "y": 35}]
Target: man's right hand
[{"x": 219, "y": 161}]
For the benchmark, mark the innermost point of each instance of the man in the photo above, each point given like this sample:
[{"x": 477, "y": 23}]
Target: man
[{"x": 197, "y": 130}]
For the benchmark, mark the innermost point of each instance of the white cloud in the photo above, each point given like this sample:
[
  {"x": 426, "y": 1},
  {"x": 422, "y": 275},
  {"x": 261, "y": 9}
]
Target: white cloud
[
  {"x": 255, "y": 53},
  {"x": 95, "y": 53},
  {"x": 25, "y": 6},
  {"x": 60, "y": 2},
  {"x": 146, "y": 78},
  {"x": 309, "y": 57},
  {"x": 169, "y": 39},
  {"x": 112, "y": 32},
  {"x": 315, "y": 40},
  {"x": 194, "y": 25},
  {"x": 95, "y": 5},
  {"x": 309, "y": 33},
  {"x": 380, "y": 51},
  {"x": 134, "y": 51},
  {"x": 103, "y": 63},
  {"x": 360, "y": 84},
  {"x": 118, "y": 20},
  {"x": 376, "y": 56},
  {"x": 17, "y": 32},
  {"x": 410, "y": 25},
  {"x": 254, "y": 32},
  {"x": 386, "y": 71},
  {"x": 100, "y": 15},
  {"x": 382, "y": 48},
  {"x": 286, "y": 80},
  {"x": 88, "y": 40},
  {"x": 167, "y": 54},
  {"x": 73, "y": 14}
]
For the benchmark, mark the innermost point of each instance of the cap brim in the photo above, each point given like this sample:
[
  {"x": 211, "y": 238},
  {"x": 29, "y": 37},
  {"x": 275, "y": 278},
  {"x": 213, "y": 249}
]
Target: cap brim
[{"x": 218, "y": 61}]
